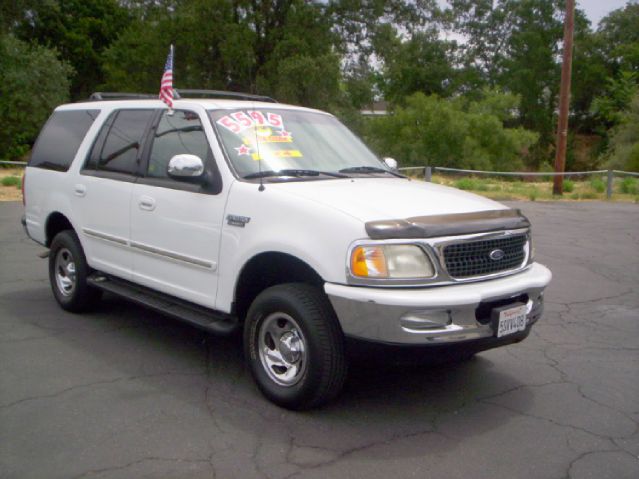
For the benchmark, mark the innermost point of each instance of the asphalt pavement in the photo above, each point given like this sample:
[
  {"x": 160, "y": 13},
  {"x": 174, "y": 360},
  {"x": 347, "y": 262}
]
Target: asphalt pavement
[{"x": 123, "y": 392}]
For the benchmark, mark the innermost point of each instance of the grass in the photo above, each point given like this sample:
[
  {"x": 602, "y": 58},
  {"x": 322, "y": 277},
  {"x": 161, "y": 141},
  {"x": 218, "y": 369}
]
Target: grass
[
  {"x": 11, "y": 179},
  {"x": 500, "y": 189},
  {"x": 598, "y": 185},
  {"x": 629, "y": 186}
]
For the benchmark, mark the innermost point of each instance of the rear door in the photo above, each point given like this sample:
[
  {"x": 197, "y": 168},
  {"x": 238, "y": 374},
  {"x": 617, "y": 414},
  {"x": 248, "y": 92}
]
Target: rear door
[
  {"x": 104, "y": 187},
  {"x": 175, "y": 224}
]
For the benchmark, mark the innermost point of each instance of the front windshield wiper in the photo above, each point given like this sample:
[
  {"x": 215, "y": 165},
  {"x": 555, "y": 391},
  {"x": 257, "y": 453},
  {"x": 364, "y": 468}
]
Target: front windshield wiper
[
  {"x": 293, "y": 172},
  {"x": 368, "y": 169}
]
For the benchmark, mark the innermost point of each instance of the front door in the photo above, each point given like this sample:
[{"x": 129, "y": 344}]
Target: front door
[{"x": 176, "y": 225}]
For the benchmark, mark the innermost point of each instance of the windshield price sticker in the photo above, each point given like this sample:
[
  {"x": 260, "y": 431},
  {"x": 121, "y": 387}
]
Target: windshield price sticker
[{"x": 239, "y": 121}]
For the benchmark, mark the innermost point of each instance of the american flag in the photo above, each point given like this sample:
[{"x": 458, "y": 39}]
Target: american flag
[{"x": 166, "y": 85}]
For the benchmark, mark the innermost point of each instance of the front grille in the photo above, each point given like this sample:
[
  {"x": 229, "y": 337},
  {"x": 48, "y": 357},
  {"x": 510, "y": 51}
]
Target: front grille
[{"x": 472, "y": 258}]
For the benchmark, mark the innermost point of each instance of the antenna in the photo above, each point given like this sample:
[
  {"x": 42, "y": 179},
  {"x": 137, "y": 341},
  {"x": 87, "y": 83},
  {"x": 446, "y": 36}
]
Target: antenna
[{"x": 259, "y": 156}]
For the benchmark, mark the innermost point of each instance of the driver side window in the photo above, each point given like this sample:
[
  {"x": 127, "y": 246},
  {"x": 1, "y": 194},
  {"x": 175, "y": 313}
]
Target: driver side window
[{"x": 178, "y": 133}]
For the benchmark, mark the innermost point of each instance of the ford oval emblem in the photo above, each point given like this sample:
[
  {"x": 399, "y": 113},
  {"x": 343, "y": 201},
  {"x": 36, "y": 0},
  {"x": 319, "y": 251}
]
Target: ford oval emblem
[{"x": 496, "y": 254}]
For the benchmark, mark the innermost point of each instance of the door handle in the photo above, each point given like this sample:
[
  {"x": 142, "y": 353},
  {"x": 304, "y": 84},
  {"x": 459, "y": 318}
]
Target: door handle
[
  {"x": 79, "y": 190},
  {"x": 146, "y": 203}
]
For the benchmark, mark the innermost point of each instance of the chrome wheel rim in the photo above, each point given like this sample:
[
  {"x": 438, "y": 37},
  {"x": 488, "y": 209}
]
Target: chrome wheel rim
[
  {"x": 65, "y": 274},
  {"x": 282, "y": 349}
]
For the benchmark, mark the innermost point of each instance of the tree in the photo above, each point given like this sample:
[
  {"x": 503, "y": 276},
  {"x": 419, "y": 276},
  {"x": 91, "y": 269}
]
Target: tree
[
  {"x": 32, "y": 82},
  {"x": 284, "y": 49},
  {"x": 79, "y": 30},
  {"x": 487, "y": 27},
  {"x": 605, "y": 71},
  {"x": 624, "y": 142},
  {"x": 390, "y": 48},
  {"x": 420, "y": 64},
  {"x": 619, "y": 32}
]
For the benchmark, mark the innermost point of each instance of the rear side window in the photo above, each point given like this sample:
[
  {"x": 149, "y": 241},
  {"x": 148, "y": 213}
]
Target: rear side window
[
  {"x": 60, "y": 139},
  {"x": 119, "y": 143}
]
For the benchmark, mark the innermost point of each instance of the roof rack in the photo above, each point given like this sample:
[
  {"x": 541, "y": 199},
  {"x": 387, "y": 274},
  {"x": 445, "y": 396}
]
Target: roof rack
[
  {"x": 181, "y": 93},
  {"x": 105, "y": 95}
]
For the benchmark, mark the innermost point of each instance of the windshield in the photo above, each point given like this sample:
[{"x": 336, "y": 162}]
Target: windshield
[{"x": 287, "y": 141}]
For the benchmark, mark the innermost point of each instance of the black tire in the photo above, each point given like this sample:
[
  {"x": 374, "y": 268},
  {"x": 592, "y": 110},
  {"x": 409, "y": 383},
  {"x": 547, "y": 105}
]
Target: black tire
[
  {"x": 73, "y": 293},
  {"x": 322, "y": 371}
]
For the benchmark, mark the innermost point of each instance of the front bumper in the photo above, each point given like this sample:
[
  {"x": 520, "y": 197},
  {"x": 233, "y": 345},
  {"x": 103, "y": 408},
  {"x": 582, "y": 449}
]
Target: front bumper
[{"x": 436, "y": 315}]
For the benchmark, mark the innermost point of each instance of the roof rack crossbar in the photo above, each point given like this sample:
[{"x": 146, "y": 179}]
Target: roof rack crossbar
[
  {"x": 223, "y": 94},
  {"x": 105, "y": 95}
]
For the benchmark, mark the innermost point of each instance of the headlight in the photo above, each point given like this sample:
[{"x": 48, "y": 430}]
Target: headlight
[{"x": 391, "y": 262}]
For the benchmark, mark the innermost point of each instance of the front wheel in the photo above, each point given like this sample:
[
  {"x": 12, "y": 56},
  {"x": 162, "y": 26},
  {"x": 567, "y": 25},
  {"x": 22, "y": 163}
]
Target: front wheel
[
  {"x": 294, "y": 346},
  {"x": 68, "y": 272}
]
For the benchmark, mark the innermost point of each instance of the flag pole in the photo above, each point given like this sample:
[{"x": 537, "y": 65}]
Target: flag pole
[{"x": 170, "y": 112}]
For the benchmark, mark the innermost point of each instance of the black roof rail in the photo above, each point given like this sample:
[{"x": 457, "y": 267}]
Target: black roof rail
[
  {"x": 181, "y": 93},
  {"x": 105, "y": 95}
]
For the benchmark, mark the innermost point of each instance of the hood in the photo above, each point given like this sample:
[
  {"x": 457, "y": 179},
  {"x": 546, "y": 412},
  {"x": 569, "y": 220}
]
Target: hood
[{"x": 371, "y": 199}]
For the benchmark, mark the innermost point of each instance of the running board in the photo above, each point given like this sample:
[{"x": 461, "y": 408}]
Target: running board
[{"x": 199, "y": 316}]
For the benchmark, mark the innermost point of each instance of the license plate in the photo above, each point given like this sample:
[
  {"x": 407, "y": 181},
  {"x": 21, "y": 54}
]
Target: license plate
[{"x": 511, "y": 320}]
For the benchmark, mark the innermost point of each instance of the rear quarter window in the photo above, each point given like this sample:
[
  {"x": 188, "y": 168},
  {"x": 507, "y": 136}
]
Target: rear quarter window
[{"x": 60, "y": 139}]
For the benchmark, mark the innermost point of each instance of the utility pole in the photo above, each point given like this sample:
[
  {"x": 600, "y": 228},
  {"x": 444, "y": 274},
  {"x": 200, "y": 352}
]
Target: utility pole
[{"x": 564, "y": 99}]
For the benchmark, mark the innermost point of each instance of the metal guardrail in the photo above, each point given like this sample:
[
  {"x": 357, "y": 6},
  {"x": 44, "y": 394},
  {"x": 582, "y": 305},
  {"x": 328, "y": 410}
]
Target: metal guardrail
[
  {"x": 610, "y": 174},
  {"x": 429, "y": 170},
  {"x": 14, "y": 163}
]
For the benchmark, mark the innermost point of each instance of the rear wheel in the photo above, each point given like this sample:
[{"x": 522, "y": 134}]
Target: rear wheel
[
  {"x": 294, "y": 346},
  {"x": 68, "y": 272}
]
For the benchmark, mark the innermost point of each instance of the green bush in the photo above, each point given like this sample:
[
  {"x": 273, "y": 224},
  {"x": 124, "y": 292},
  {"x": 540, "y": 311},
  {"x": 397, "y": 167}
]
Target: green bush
[
  {"x": 10, "y": 181},
  {"x": 598, "y": 185},
  {"x": 449, "y": 132},
  {"x": 471, "y": 184},
  {"x": 465, "y": 184},
  {"x": 629, "y": 186},
  {"x": 569, "y": 186}
]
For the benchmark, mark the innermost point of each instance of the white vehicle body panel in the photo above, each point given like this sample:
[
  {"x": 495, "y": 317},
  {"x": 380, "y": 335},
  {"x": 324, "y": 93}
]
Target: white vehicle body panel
[
  {"x": 370, "y": 199},
  {"x": 281, "y": 222},
  {"x": 103, "y": 217},
  {"x": 175, "y": 245}
]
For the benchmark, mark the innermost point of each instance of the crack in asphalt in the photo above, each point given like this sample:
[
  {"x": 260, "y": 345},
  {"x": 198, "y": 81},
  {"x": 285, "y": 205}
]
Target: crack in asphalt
[
  {"x": 90, "y": 385},
  {"x": 122, "y": 467}
]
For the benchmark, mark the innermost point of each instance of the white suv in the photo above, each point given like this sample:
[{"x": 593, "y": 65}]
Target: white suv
[{"x": 246, "y": 213}]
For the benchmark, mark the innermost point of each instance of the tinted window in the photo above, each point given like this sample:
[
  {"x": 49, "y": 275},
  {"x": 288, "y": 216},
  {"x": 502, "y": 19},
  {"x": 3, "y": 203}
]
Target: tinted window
[
  {"x": 60, "y": 139},
  {"x": 123, "y": 141},
  {"x": 178, "y": 133}
]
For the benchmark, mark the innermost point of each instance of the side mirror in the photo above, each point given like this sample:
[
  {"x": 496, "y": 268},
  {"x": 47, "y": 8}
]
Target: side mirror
[
  {"x": 185, "y": 166},
  {"x": 391, "y": 163}
]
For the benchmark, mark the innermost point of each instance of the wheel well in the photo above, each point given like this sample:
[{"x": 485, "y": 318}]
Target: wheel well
[
  {"x": 55, "y": 223},
  {"x": 266, "y": 270}
]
